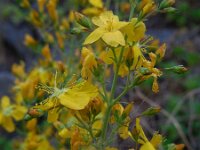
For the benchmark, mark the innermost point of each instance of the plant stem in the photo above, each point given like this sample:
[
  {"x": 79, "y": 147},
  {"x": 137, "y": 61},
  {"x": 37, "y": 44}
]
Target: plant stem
[
  {"x": 132, "y": 10},
  {"x": 109, "y": 102}
]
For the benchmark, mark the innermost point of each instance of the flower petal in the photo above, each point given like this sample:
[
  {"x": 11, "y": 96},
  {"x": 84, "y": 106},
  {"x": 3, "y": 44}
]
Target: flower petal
[
  {"x": 53, "y": 115},
  {"x": 19, "y": 112},
  {"x": 8, "y": 124},
  {"x": 5, "y": 102},
  {"x": 114, "y": 38},
  {"x": 79, "y": 96},
  {"x": 94, "y": 36}
]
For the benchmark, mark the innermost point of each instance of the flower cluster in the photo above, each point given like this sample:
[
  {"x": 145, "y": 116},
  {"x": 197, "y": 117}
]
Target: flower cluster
[{"x": 79, "y": 94}]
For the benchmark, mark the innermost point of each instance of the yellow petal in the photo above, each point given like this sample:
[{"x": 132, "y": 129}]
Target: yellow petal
[
  {"x": 8, "y": 124},
  {"x": 19, "y": 112},
  {"x": 123, "y": 70},
  {"x": 119, "y": 25},
  {"x": 96, "y": 3},
  {"x": 108, "y": 16},
  {"x": 78, "y": 97},
  {"x": 147, "y": 146},
  {"x": 53, "y": 115},
  {"x": 97, "y": 21},
  {"x": 94, "y": 36},
  {"x": 156, "y": 140},
  {"x": 5, "y": 102},
  {"x": 114, "y": 38},
  {"x": 107, "y": 56},
  {"x": 138, "y": 57},
  {"x": 134, "y": 32}
]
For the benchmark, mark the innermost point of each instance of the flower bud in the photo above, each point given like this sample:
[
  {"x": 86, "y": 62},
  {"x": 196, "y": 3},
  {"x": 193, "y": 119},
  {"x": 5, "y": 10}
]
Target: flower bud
[
  {"x": 35, "y": 112},
  {"x": 83, "y": 20},
  {"x": 151, "y": 111},
  {"x": 177, "y": 69},
  {"x": 166, "y": 4},
  {"x": 76, "y": 30}
]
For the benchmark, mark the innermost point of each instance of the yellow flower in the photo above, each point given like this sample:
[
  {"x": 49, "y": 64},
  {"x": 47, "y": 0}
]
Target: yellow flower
[
  {"x": 134, "y": 31},
  {"x": 18, "y": 70},
  {"x": 51, "y": 7},
  {"x": 35, "y": 18},
  {"x": 142, "y": 139},
  {"x": 46, "y": 52},
  {"x": 29, "y": 40},
  {"x": 88, "y": 63},
  {"x": 9, "y": 111},
  {"x": 132, "y": 55},
  {"x": 75, "y": 97},
  {"x": 78, "y": 96},
  {"x": 108, "y": 30},
  {"x": 155, "y": 73}
]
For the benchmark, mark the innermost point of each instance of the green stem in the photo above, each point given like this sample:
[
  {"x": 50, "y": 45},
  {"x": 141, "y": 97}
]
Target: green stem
[
  {"x": 105, "y": 126},
  {"x": 132, "y": 10},
  {"x": 109, "y": 102}
]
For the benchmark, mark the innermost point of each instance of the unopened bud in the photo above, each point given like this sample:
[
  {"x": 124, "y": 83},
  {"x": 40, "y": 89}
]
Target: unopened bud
[
  {"x": 35, "y": 112},
  {"x": 177, "y": 69},
  {"x": 76, "y": 30},
  {"x": 166, "y": 4},
  {"x": 151, "y": 111},
  {"x": 83, "y": 20},
  {"x": 169, "y": 10}
]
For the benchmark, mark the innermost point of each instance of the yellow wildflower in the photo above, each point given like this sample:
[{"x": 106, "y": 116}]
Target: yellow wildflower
[
  {"x": 142, "y": 139},
  {"x": 35, "y": 18},
  {"x": 51, "y": 7},
  {"x": 155, "y": 73},
  {"x": 134, "y": 31},
  {"x": 29, "y": 40},
  {"x": 9, "y": 111},
  {"x": 89, "y": 63},
  {"x": 132, "y": 58},
  {"x": 18, "y": 70},
  {"x": 46, "y": 52},
  {"x": 75, "y": 97},
  {"x": 108, "y": 27}
]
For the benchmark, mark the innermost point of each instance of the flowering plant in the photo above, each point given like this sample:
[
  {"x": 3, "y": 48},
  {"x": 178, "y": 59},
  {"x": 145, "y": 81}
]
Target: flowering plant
[{"x": 79, "y": 94}]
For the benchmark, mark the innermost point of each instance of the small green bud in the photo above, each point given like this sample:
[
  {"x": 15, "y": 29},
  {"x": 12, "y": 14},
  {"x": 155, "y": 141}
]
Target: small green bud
[
  {"x": 166, "y": 3},
  {"x": 177, "y": 69},
  {"x": 76, "y": 30},
  {"x": 169, "y": 10},
  {"x": 35, "y": 112},
  {"x": 151, "y": 111},
  {"x": 83, "y": 20}
]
